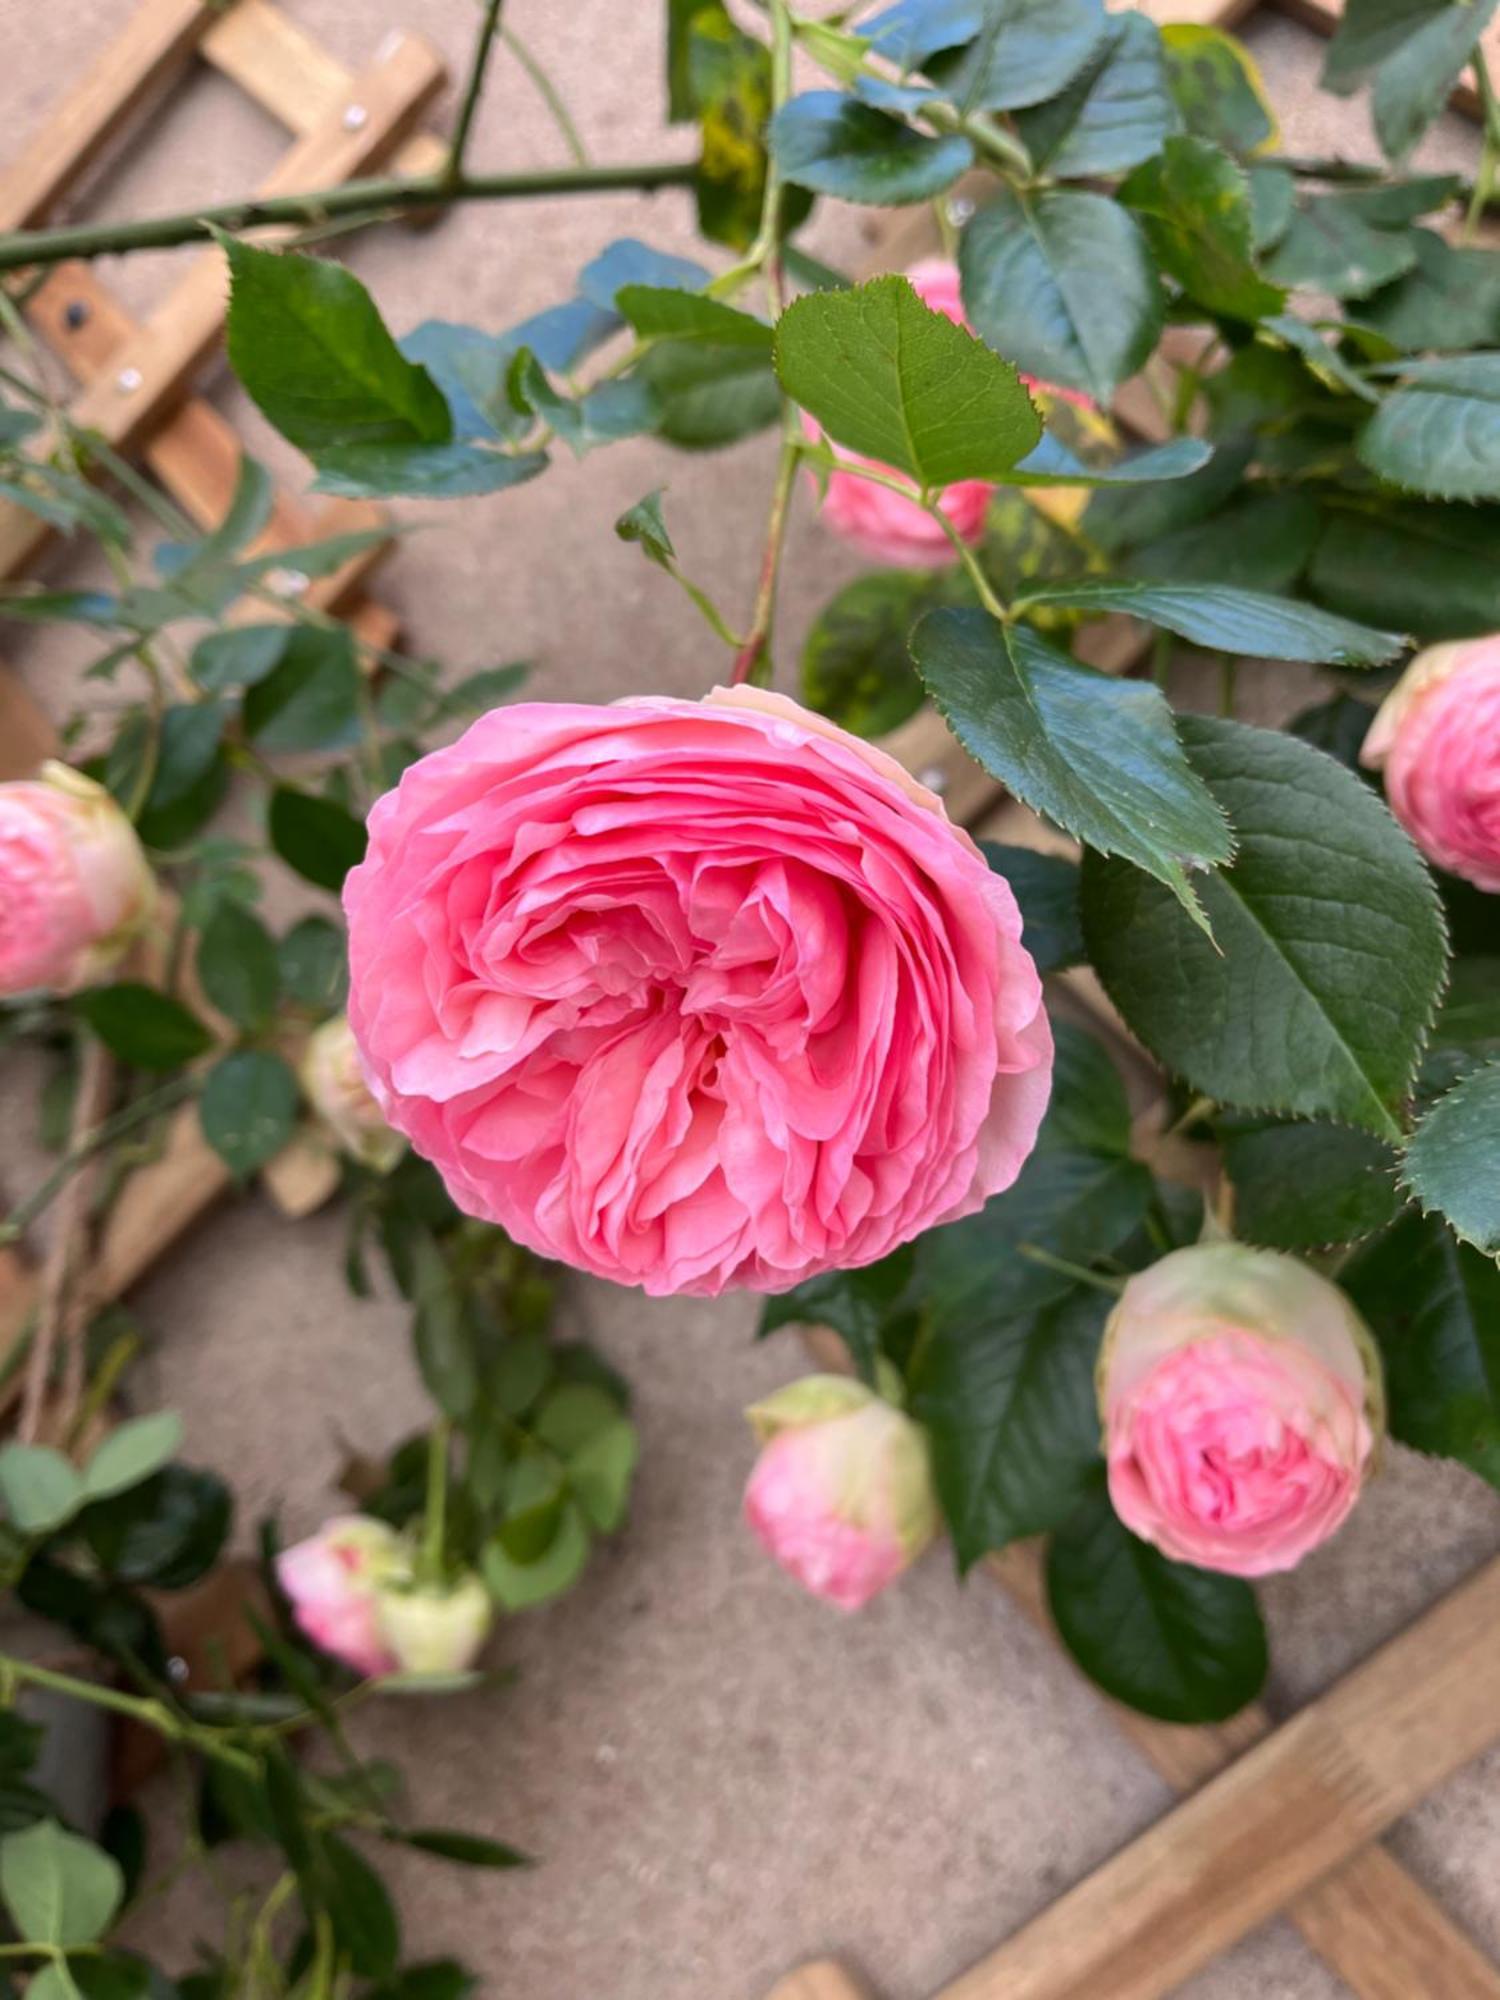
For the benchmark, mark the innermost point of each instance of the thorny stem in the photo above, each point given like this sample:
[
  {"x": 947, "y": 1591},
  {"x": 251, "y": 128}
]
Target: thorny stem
[{"x": 473, "y": 90}]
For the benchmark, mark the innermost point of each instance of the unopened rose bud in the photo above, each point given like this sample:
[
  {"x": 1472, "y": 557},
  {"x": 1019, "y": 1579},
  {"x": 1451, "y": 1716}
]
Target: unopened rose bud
[
  {"x": 841, "y": 1494},
  {"x": 75, "y": 887},
  {"x": 336, "y": 1089},
  {"x": 1242, "y": 1400},
  {"x": 1436, "y": 737},
  {"x": 333, "y": 1582},
  {"x": 435, "y": 1631}
]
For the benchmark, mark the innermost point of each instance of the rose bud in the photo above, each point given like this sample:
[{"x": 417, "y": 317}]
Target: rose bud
[
  {"x": 434, "y": 1631},
  {"x": 1242, "y": 1400},
  {"x": 1437, "y": 738},
  {"x": 335, "y": 1087},
  {"x": 887, "y": 526},
  {"x": 693, "y": 994},
  {"x": 841, "y": 1494},
  {"x": 75, "y": 887},
  {"x": 333, "y": 1582}
]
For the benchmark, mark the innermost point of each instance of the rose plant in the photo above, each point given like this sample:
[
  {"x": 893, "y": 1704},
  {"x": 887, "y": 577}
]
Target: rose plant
[{"x": 700, "y": 995}]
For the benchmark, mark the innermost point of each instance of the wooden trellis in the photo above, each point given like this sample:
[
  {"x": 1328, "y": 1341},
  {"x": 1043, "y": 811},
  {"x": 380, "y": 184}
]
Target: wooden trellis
[{"x": 1281, "y": 1818}]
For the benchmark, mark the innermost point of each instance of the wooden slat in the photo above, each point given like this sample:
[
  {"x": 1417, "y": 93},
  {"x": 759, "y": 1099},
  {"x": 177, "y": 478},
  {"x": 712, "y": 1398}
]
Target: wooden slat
[
  {"x": 1297, "y": 1806},
  {"x": 26, "y": 732},
  {"x": 156, "y": 39},
  {"x": 820, "y": 1981},
  {"x": 153, "y": 369}
]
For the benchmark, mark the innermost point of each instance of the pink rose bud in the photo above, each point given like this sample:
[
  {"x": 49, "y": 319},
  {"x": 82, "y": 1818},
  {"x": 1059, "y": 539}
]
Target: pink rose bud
[
  {"x": 75, "y": 887},
  {"x": 1242, "y": 1400},
  {"x": 435, "y": 1631},
  {"x": 693, "y": 994},
  {"x": 1437, "y": 737},
  {"x": 333, "y": 1582},
  {"x": 336, "y": 1089},
  {"x": 887, "y": 526},
  {"x": 841, "y": 1494}
]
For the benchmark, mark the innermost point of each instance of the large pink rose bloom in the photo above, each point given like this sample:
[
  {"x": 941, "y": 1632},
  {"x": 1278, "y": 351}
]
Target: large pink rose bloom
[
  {"x": 693, "y": 994},
  {"x": 1241, "y": 1396},
  {"x": 1437, "y": 737},
  {"x": 75, "y": 887}
]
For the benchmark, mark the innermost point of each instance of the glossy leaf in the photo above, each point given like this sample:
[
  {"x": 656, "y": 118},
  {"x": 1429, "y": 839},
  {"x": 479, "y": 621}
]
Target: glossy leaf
[
  {"x": 1046, "y": 888},
  {"x": 1053, "y": 464},
  {"x": 315, "y": 836},
  {"x": 310, "y": 698},
  {"x": 1309, "y": 1185},
  {"x": 667, "y": 313},
  {"x": 237, "y": 965},
  {"x": 1453, "y": 1159},
  {"x": 1439, "y": 431},
  {"x": 1330, "y": 247},
  {"x": 628, "y": 261},
  {"x": 1019, "y": 52},
  {"x": 1194, "y": 204},
  {"x": 423, "y": 472},
  {"x": 1115, "y": 113},
  {"x": 248, "y": 1109},
  {"x": 359, "y": 1907},
  {"x": 1235, "y": 621},
  {"x": 835, "y": 145},
  {"x": 142, "y": 1027},
  {"x": 858, "y": 1305},
  {"x": 1432, "y": 570},
  {"x": 1449, "y": 298}
]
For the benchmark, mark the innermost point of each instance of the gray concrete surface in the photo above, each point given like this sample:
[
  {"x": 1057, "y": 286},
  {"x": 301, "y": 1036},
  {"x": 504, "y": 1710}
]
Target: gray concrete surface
[{"x": 720, "y": 1777}]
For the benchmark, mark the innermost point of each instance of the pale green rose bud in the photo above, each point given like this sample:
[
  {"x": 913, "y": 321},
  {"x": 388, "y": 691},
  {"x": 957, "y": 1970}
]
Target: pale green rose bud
[
  {"x": 430, "y": 1631},
  {"x": 336, "y": 1089}
]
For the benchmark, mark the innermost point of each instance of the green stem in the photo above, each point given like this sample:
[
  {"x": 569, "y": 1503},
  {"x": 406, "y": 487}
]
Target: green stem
[
  {"x": 1490, "y": 156},
  {"x": 431, "y": 1565},
  {"x": 1079, "y": 1273},
  {"x": 1228, "y": 673},
  {"x": 53, "y": 246},
  {"x": 982, "y": 586},
  {"x": 140, "y": 1708},
  {"x": 549, "y": 93},
  {"x": 125, "y": 1120},
  {"x": 479, "y": 62},
  {"x": 751, "y": 655}
]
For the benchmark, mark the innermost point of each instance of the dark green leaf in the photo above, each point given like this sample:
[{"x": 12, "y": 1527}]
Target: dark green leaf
[
  {"x": 473, "y": 1850},
  {"x": 858, "y": 1305},
  {"x": 1453, "y": 1159},
  {"x": 856, "y": 668},
  {"x": 248, "y": 1109},
  {"x": 1046, "y": 887},
  {"x": 310, "y": 699},
  {"x": 1431, "y": 570},
  {"x": 1307, "y": 1186},
  {"x": 313, "y": 962},
  {"x": 1096, "y": 754},
  {"x": 422, "y": 472},
  {"x": 308, "y": 343},
  {"x": 1434, "y": 1305},
  {"x": 628, "y": 261},
  {"x": 1019, "y": 52},
  {"x": 1331, "y": 248},
  {"x": 1117, "y": 521},
  {"x": 658, "y": 312},
  {"x": 1234, "y": 621},
  {"x": 437, "y": 1979},
  {"x": 1089, "y": 1109},
  {"x": 1181, "y": 1644},
  {"x": 516, "y": 1586},
  {"x": 485, "y": 690},
  {"x": 143, "y": 1027},
  {"x": 1450, "y": 300},
  {"x": 1439, "y": 431},
  {"x": 709, "y": 395},
  {"x": 239, "y": 656},
  {"x": 442, "y": 1333},
  {"x": 359, "y": 1907},
  {"x": 237, "y": 965},
  {"x": 1194, "y": 204},
  {"x": 315, "y": 836},
  {"x": 888, "y": 377},
  {"x": 835, "y": 145},
  {"x": 1273, "y": 200},
  {"x": 1115, "y": 113},
  {"x": 1259, "y": 542},
  {"x": 645, "y": 524},
  {"x": 1062, "y": 284},
  {"x": 166, "y": 1533},
  {"x": 1217, "y": 87},
  {"x": 187, "y": 746},
  {"x": 1053, "y": 464},
  {"x": 1300, "y": 922}
]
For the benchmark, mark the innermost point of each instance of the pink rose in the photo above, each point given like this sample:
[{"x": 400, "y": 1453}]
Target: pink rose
[
  {"x": 886, "y": 526},
  {"x": 75, "y": 887},
  {"x": 1437, "y": 735},
  {"x": 1241, "y": 1396},
  {"x": 841, "y": 1494},
  {"x": 693, "y": 994},
  {"x": 335, "y": 1087},
  {"x": 332, "y": 1582}
]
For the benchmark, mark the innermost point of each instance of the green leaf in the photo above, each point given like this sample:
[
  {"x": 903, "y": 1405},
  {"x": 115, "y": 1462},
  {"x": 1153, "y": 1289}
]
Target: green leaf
[
  {"x": 1431, "y": 570},
  {"x": 1414, "y": 83},
  {"x": 239, "y": 656},
  {"x": 442, "y": 1333},
  {"x": 708, "y": 394},
  {"x": 1009, "y": 1406},
  {"x": 39, "y": 1486},
  {"x": 572, "y": 1415},
  {"x": 422, "y": 472},
  {"x": 1273, "y": 200},
  {"x": 1117, "y": 521},
  {"x": 1019, "y": 52},
  {"x": 1439, "y": 431},
  {"x": 600, "y": 1471},
  {"x": 1089, "y": 1109},
  {"x": 143, "y": 1027},
  {"x": 888, "y": 377},
  {"x": 667, "y": 313},
  {"x": 487, "y": 689},
  {"x": 645, "y": 524},
  {"x": 1287, "y": 1014},
  {"x": 1046, "y": 887},
  {"x": 1451, "y": 299},
  {"x": 59, "y": 1889},
  {"x": 310, "y": 698},
  {"x": 1053, "y": 464},
  {"x": 166, "y": 1532},
  {"x": 313, "y": 965},
  {"x": 308, "y": 342},
  {"x": 1330, "y": 247},
  {"x": 1217, "y": 87},
  {"x": 1260, "y": 542},
  {"x": 1309, "y": 1185},
  {"x": 359, "y": 1907},
  {"x": 835, "y": 145},
  {"x": 515, "y": 1586},
  {"x": 315, "y": 836},
  {"x": 248, "y": 1109},
  {"x": 1434, "y": 1306},
  {"x": 237, "y": 965},
  {"x": 856, "y": 668},
  {"x": 1194, "y": 204},
  {"x": 1115, "y": 113},
  {"x": 132, "y": 1453},
  {"x": 1097, "y": 755},
  {"x": 1453, "y": 1159},
  {"x": 438, "y": 1979},
  {"x": 628, "y": 261},
  {"x": 858, "y": 1305},
  {"x": 187, "y": 746},
  {"x": 1233, "y": 621},
  {"x": 471, "y": 1850},
  {"x": 1181, "y": 1644},
  {"x": 1062, "y": 284}
]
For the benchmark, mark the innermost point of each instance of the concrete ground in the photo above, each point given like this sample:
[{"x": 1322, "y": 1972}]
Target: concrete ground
[{"x": 721, "y": 1777}]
